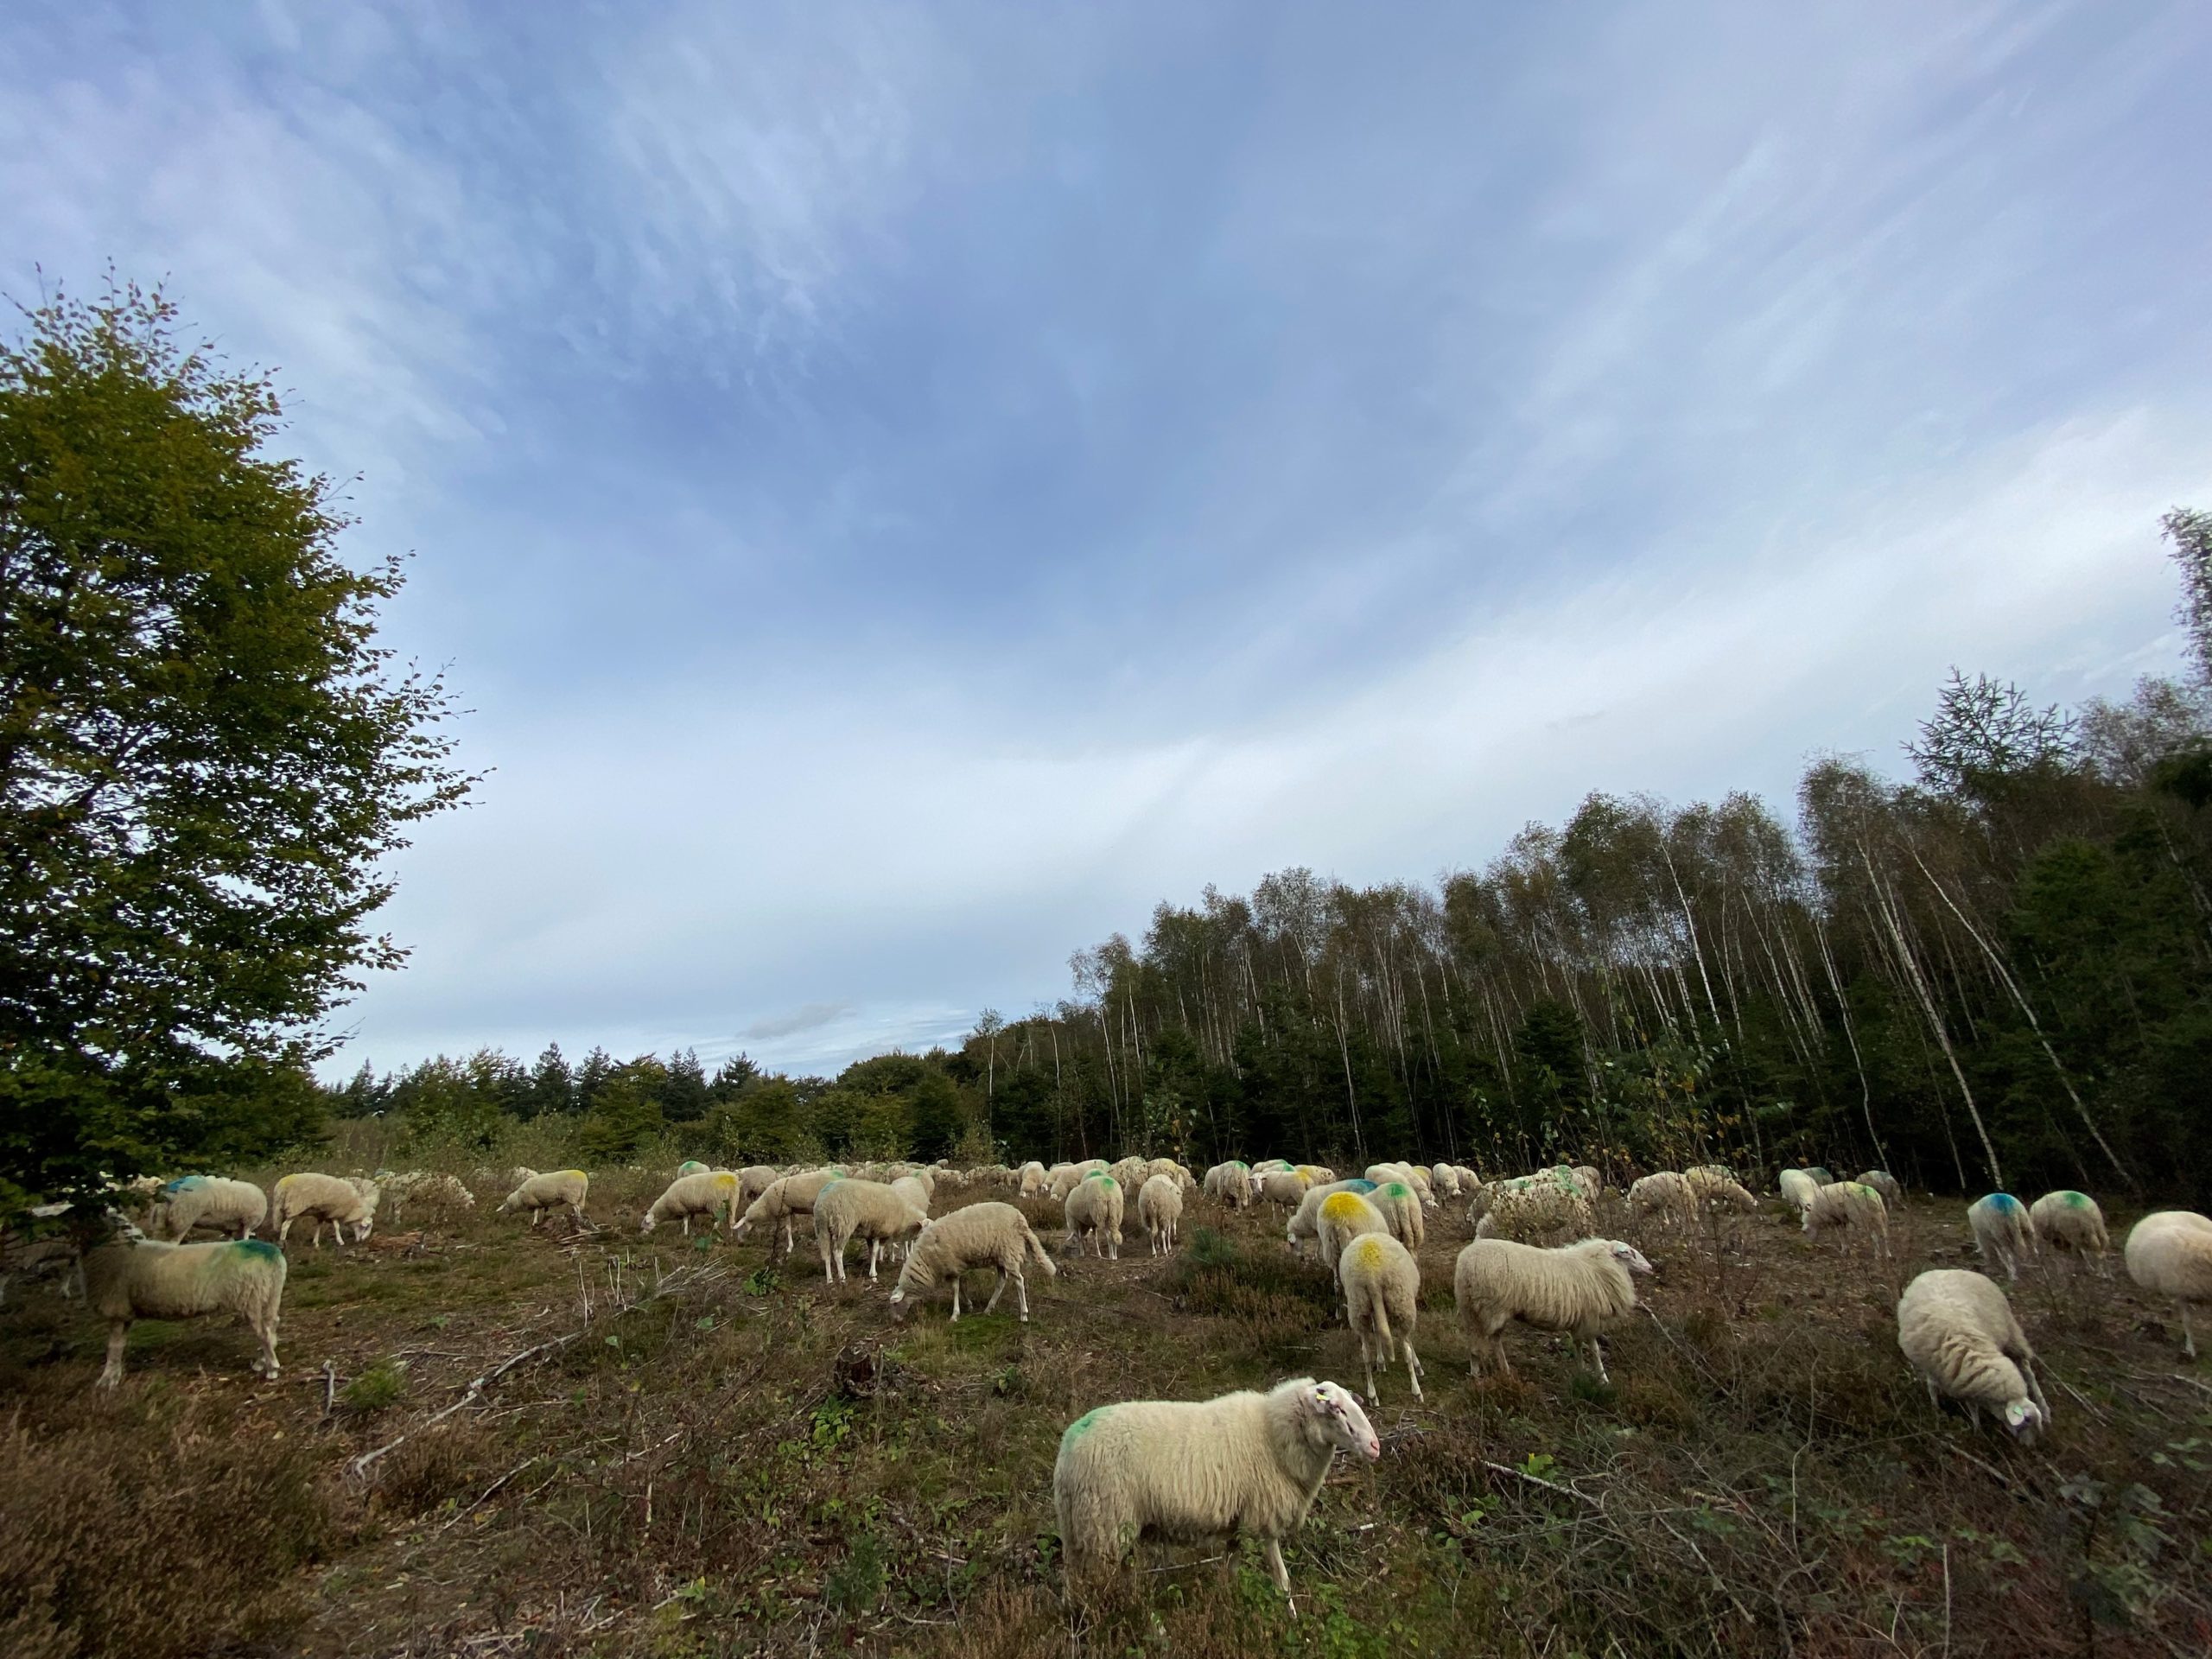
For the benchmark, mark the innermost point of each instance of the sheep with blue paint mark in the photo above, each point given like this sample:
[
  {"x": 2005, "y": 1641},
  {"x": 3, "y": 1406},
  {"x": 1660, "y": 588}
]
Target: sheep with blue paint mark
[
  {"x": 134, "y": 1278},
  {"x": 1999, "y": 1225},
  {"x": 207, "y": 1201}
]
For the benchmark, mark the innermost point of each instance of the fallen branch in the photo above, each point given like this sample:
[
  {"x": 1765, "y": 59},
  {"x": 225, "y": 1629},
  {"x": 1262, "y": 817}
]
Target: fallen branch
[
  {"x": 488, "y": 1490},
  {"x": 1538, "y": 1480}
]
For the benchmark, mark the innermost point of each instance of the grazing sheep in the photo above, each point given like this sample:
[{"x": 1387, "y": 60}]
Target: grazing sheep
[
  {"x": 1715, "y": 1190},
  {"x": 754, "y": 1179},
  {"x": 1286, "y": 1187},
  {"x": 1131, "y": 1173},
  {"x": 1034, "y": 1181},
  {"x": 707, "y": 1192},
  {"x": 1160, "y": 1208},
  {"x": 1191, "y": 1470},
  {"x": 1999, "y": 1225},
  {"x": 1822, "y": 1176},
  {"x": 2170, "y": 1253},
  {"x": 207, "y": 1201},
  {"x": 1588, "y": 1181},
  {"x": 538, "y": 1193},
  {"x": 1852, "y": 1209},
  {"x": 1665, "y": 1195},
  {"x": 981, "y": 1236},
  {"x": 917, "y": 1190},
  {"x": 1231, "y": 1183},
  {"x": 1065, "y": 1178},
  {"x": 135, "y": 1279},
  {"x": 1400, "y": 1205},
  {"x": 1797, "y": 1187},
  {"x": 1958, "y": 1331},
  {"x": 1344, "y": 1216},
  {"x": 1185, "y": 1183},
  {"x": 1542, "y": 1208},
  {"x": 1381, "y": 1285},
  {"x": 1267, "y": 1163},
  {"x": 1887, "y": 1184},
  {"x": 1305, "y": 1220},
  {"x": 2071, "y": 1223},
  {"x": 420, "y": 1186},
  {"x": 323, "y": 1198},
  {"x": 692, "y": 1166},
  {"x": 518, "y": 1174},
  {"x": 787, "y": 1198},
  {"x": 879, "y": 1213},
  {"x": 1094, "y": 1212},
  {"x": 1577, "y": 1288},
  {"x": 1317, "y": 1174},
  {"x": 1444, "y": 1181}
]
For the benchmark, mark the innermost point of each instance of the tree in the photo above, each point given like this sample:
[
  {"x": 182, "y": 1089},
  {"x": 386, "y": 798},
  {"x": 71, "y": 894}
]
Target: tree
[
  {"x": 205, "y": 756},
  {"x": 628, "y": 1112},
  {"x": 552, "y": 1084},
  {"x": 2190, "y": 534},
  {"x": 1983, "y": 731},
  {"x": 683, "y": 1095}
]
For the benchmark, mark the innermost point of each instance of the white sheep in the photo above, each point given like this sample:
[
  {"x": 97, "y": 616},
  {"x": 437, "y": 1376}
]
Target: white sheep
[
  {"x": 323, "y": 1199},
  {"x": 1185, "y": 1183},
  {"x": 1587, "y": 1181},
  {"x": 1231, "y": 1182},
  {"x": 1958, "y": 1331},
  {"x": 692, "y": 1166},
  {"x": 1999, "y": 1225},
  {"x": 1305, "y": 1220},
  {"x": 137, "y": 1279},
  {"x": 1797, "y": 1187},
  {"x": 538, "y": 1193},
  {"x": 754, "y": 1179},
  {"x": 518, "y": 1174},
  {"x": 1663, "y": 1194},
  {"x": 882, "y": 1214},
  {"x": 1160, "y": 1211},
  {"x": 1577, "y": 1288},
  {"x": 1401, "y": 1206},
  {"x": 1191, "y": 1471},
  {"x": 1267, "y": 1163},
  {"x": 1444, "y": 1181},
  {"x": 1854, "y": 1209},
  {"x": 787, "y": 1198},
  {"x": 1035, "y": 1182},
  {"x": 1286, "y": 1187},
  {"x": 1343, "y": 1217},
  {"x": 981, "y": 1236},
  {"x": 2071, "y": 1223},
  {"x": 1094, "y": 1212},
  {"x": 1822, "y": 1175},
  {"x": 1887, "y": 1184},
  {"x": 208, "y": 1201},
  {"x": 1541, "y": 1208},
  {"x": 1381, "y": 1285},
  {"x": 1714, "y": 1190},
  {"x": 917, "y": 1190},
  {"x": 1066, "y": 1177},
  {"x": 703, "y": 1192},
  {"x": 419, "y": 1185},
  {"x": 2170, "y": 1253},
  {"x": 1131, "y": 1173}
]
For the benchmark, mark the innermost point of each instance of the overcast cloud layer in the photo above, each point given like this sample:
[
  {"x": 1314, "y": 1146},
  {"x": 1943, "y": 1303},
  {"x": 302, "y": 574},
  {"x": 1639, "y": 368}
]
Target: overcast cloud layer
[{"x": 904, "y": 490}]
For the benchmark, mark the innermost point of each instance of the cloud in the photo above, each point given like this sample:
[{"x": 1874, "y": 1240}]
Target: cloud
[{"x": 812, "y": 1017}]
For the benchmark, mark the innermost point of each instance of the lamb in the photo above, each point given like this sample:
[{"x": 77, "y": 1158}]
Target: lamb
[
  {"x": 1344, "y": 1216},
  {"x": 787, "y": 1197},
  {"x": 208, "y": 1201},
  {"x": 539, "y": 1193},
  {"x": 1197, "y": 1470},
  {"x": 2170, "y": 1253},
  {"x": 1033, "y": 1180},
  {"x": 1852, "y": 1209},
  {"x": 1666, "y": 1195},
  {"x": 1577, "y": 1288},
  {"x": 1305, "y": 1220},
  {"x": 2071, "y": 1223},
  {"x": 1400, "y": 1205},
  {"x": 1381, "y": 1286},
  {"x": 706, "y": 1192},
  {"x": 1540, "y": 1210},
  {"x": 1885, "y": 1184},
  {"x": 1160, "y": 1208},
  {"x": 1958, "y": 1331},
  {"x": 881, "y": 1214},
  {"x": 1999, "y": 1224},
  {"x": 981, "y": 1236},
  {"x": 323, "y": 1198},
  {"x": 1094, "y": 1212},
  {"x": 133, "y": 1280},
  {"x": 1797, "y": 1187}
]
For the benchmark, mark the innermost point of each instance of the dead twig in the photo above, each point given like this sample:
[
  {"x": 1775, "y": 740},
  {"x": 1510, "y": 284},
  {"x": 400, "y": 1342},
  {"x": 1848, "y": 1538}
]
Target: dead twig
[{"x": 488, "y": 1490}]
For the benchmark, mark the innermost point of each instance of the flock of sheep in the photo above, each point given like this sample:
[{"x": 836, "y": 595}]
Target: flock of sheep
[{"x": 1247, "y": 1461}]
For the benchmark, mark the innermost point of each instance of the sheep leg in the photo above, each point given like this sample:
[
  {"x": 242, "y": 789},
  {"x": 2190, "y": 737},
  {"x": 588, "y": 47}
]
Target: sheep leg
[
  {"x": 1367, "y": 1358},
  {"x": 1413, "y": 1365},
  {"x": 266, "y": 1329},
  {"x": 1282, "y": 1574},
  {"x": 1021, "y": 1291},
  {"x": 112, "y": 1373},
  {"x": 874, "y": 1249},
  {"x": 1598, "y": 1352},
  {"x": 2188, "y": 1337},
  {"x": 997, "y": 1291},
  {"x": 687, "y": 1226},
  {"x": 956, "y": 1297}
]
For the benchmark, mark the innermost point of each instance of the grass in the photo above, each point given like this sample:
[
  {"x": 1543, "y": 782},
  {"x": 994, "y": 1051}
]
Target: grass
[{"x": 705, "y": 1455}]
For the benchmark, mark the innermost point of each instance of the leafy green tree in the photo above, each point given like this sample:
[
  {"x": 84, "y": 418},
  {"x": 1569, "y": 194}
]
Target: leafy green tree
[
  {"x": 684, "y": 1097},
  {"x": 2189, "y": 534},
  {"x": 627, "y": 1113},
  {"x": 552, "y": 1086},
  {"x": 205, "y": 756}
]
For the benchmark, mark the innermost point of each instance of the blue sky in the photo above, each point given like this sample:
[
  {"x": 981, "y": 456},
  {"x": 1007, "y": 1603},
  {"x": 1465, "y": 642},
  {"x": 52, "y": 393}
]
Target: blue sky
[{"x": 904, "y": 489}]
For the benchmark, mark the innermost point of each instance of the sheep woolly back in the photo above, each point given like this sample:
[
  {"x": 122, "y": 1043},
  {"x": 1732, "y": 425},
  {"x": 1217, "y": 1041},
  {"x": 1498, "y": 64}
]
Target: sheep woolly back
[
  {"x": 543, "y": 1191},
  {"x": 1305, "y": 1220},
  {"x": 210, "y": 1200},
  {"x": 1849, "y": 1207},
  {"x": 979, "y": 1235},
  {"x": 2170, "y": 1252},
  {"x": 1381, "y": 1284},
  {"x": 2070, "y": 1220},
  {"x": 1575, "y": 1288},
  {"x": 868, "y": 1209},
  {"x": 137, "y": 1279},
  {"x": 1957, "y": 1328},
  {"x": 1193, "y": 1470},
  {"x": 325, "y": 1196}
]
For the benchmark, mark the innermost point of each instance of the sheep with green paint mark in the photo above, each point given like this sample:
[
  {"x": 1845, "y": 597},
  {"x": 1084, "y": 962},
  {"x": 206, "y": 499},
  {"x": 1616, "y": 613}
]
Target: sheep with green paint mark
[
  {"x": 1305, "y": 1220},
  {"x": 207, "y": 1201},
  {"x": 1400, "y": 1207},
  {"x": 2071, "y": 1224},
  {"x": 1852, "y": 1209},
  {"x": 1093, "y": 1214},
  {"x": 142, "y": 1280}
]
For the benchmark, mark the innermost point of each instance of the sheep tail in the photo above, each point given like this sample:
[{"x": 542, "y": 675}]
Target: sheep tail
[{"x": 1036, "y": 1251}]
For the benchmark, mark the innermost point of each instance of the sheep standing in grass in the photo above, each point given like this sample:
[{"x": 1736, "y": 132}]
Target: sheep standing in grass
[
  {"x": 323, "y": 1199},
  {"x": 1855, "y": 1211},
  {"x": 538, "y": 1193},
  {"x": 1400, "y": 1204},
  {"x": 1035, "y": 1182},
  {"x": 1285, "y": 1187},
  {"x": 1094, "y": 1212},
  {"x": 1305, "y": 1220},
  {"x": 1542, "y": 1208},
  {"x": 1231, "y": 1183},
  {"x": 207, "y": 1201},
  {"x": 787, "y": 1198},
  {"x": 707, "y": 1192},
  {"x": 1578, "y": 1288},
  {"x": 1999, "y": 1225},
  {"x": 1797, "y": 1187},
  {"x": 1715, "y": 1190},
  {"x": 981, "y": 1236},
  {"x": 1185, "y": 1183},
  {"x": 1444, "y": 1181},
  {"x": 1131, "y": 1173},
  {"x": 1381, "y": 1285},
  {"x": 1192, "y": 1470},
  {"x": 1160, "y": 1210},
  {"x": 396, "y": 1192},
  {"x": 2170, "y": 1253},
  {"x": 2071, "y": 1224},
  {"x": 1958, "y": 1331},
  {"x": 1664, "y": 1195},
  {"x": 878, "y": 1212},
  {"x": 1065, "y": 1179},
  {"x": 692, "y": 1166},
  {"x": 1341, "y": 1217},
  {"x": 133, "y": 1280},
  {"x": 753, "y": 1180},
  {"x": 1887, "y": 1184}
]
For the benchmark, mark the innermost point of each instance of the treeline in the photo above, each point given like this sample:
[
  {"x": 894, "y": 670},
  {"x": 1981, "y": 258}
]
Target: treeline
[{"x": 1994, "y": 973}]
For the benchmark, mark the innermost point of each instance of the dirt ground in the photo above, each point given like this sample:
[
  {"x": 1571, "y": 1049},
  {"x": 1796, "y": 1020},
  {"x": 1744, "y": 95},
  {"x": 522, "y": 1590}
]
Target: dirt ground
[{"x": 494, "y": 1440}]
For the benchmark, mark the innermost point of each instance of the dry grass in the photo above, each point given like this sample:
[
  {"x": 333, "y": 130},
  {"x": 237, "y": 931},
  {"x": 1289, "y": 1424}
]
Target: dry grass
[{"x": 698, "y": 1455}]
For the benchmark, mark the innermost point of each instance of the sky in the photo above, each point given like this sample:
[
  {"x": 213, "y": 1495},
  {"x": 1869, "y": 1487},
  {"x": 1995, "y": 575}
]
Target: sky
[{"x": 901, "y": 491}]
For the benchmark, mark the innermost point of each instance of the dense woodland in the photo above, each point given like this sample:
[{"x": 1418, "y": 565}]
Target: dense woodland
[{"x": 1997, "y": 972}]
